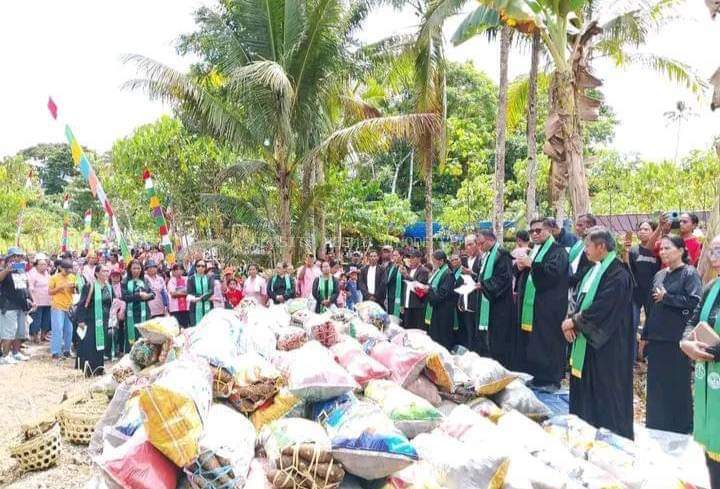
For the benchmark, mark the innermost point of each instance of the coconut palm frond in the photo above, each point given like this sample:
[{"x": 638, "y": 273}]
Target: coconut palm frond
[
  {"x": 673, "y": 70},
  {"x": 518, "y": 93},
  {"x": 480, "y": 20},
  {"x": 242, "y": 170}
]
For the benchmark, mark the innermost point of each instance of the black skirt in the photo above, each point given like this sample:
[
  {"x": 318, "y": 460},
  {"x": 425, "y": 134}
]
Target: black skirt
[
  {"x": 669, "y": 394},
  {"x": 89, "y": 359}
]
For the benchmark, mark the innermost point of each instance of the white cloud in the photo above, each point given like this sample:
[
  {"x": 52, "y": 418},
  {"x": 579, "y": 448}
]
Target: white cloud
[{"x": 72, "y": 50}]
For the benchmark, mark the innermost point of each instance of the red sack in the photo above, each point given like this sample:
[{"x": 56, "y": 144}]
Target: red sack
[{"x": 143, "y": 467}]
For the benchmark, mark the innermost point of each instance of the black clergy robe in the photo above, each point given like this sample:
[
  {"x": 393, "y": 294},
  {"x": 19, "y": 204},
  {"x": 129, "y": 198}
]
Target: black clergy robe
[
  {"x": 191, "y": 290},
  {"x": 414, "y": 314},
  {"x": 391, "y": 274},
  {"x": 468, "y": 334},
  {"x": 319, "y": 294},
  {"x": 499, "y": 292},
  {"x": 603, "y": 396},
  {"x": 443, "y": 302},
  {"x": 542, "y": 351},
  {"x": 379, "y": 293},
  {"x": 278, "y": 288}
]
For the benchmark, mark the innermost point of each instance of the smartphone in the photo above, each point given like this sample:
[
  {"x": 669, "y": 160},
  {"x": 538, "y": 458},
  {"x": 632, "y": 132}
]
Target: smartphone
[{"x": 18, "y": 267}]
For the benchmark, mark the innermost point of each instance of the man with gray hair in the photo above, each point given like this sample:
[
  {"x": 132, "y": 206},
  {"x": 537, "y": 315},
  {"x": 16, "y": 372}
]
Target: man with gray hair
[
  {"x": 471, "y": 265},
  {"x": 601, "y": 333}
]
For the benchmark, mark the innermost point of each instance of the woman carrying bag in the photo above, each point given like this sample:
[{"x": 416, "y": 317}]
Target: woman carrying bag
[{"x": 93, "y": 314}]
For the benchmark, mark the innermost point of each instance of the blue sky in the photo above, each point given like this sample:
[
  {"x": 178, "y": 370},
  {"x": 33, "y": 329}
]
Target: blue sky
[{"x": 72, "y": 49}]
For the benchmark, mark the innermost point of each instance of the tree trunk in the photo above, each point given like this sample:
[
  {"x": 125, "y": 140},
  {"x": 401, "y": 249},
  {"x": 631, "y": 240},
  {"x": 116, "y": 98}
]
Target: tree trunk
[
  {"x": 410, "y": 174},
  {"x": 498, "y": 205},
  {"x": 569, "y": 172},
  {"x": 283, "y": 183},
  {"x": 530, "y": 197},
  {"x": 319, "y": 215},
  {"x": 426, "y": 163}
]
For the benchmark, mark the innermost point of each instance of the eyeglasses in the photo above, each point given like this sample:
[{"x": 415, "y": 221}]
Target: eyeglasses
[{"x": 536, "y": 231}]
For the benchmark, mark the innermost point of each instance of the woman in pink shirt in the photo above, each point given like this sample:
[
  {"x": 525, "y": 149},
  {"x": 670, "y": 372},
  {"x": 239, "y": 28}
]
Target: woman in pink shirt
[
  {"x": 158, "y": 305},
  {"x": 255, "y": 286},
  {"x": 38, "y": 278},
  {"x": 177, "y": 290},
  {"x": 306, "y": 277}
]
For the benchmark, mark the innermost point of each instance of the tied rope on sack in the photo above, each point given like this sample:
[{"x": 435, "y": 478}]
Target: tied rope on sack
[{"x": 289, "y": 473}]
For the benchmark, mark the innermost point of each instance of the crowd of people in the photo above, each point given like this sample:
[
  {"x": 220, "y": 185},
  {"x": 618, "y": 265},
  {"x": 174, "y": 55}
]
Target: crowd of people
[{"x": 553, "y": 304}]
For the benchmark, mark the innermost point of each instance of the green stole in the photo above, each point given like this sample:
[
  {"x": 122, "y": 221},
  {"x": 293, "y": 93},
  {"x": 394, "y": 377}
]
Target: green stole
[
  {"x": 98, "y": 309},
  {"x": 707, "y": 388},
  {"x": 79, "y": 282},
  {"x": 395, "y": 306},
  {"x": 202, "y": 285},
  {"x": 592, "y": 278},
  {"x": 488, "y": 267},
  {"x": 575, "y": 251},
  {"x": 434, "y": 284},
  {"x": 528, "y": 304},
  {"x": 456, "y": 313},
  {"x": 326, "y": 288},
  {"x": 272, "y": 284},
  {"x": 130, "y": 318}
]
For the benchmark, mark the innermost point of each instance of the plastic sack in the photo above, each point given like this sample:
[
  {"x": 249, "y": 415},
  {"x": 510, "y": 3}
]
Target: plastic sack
[
  {"x": 255, "y": 381},
  {"x": 576, "y": 434},
  {"x": 423, "y": 387},
  {"x": 519, "y": 397},
  {"x": 363, "y": 368},
  {"x": 325, "y": 333},
  {"x": 160, "y": 329},
  {"x": 420, "y": 475},
  {"x": 259, "y": 340},
  {"x": 362, "y": 331},
  {"x": 404, "y": 363},
  {"x": 288, "y": 432},
  {"x": 279, "y": 406},
  {"x": 461, "y": 420},
  {"x": 124, "y": 368},
  {"x": 446, "y": 407},
  {"x": 144, "y": 353},
  {"x": 257, "y": 476},
  {"x": 372, "y": 313},
  {"x": 176, "y": 406},
  {"x": 367, "y": 442},
  {"x": 462, "y": 466},
  {"x": 411, "y": 414},
  {"x": 291, "y": 338},
  {"x": 314, "y": 375},
  {"x": 131, "y": 418},
  {"x": 487, "y": 375},
  {"x": 486, "y": 407},
  {"x": 226, "y": 449},
  {"x": 319, "y": 411},
  {"x": 226, "y": 320},
  {"x": 294, "y": 305},
  {"x": 306, "y": 466},
  {"x": 215, "y": 341},
  {"x": 527, "y": 472},
  {"x": 136, "y": 464}
]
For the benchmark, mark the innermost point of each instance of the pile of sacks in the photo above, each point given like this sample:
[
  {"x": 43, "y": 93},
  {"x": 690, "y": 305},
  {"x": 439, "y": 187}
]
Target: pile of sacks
[{"x": 283, "y": 398}]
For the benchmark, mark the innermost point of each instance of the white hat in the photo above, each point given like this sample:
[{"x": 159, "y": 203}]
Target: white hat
[{"x": 41, "y": 256}]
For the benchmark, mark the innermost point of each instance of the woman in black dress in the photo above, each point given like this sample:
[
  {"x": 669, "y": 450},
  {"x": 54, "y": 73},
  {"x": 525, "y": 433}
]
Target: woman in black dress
[
  {"x": 677, "y": 290},
  {"x": 442, "y": 301},
  {"x": 136, "y": 294},
  {"x": 93, "y": 314}
]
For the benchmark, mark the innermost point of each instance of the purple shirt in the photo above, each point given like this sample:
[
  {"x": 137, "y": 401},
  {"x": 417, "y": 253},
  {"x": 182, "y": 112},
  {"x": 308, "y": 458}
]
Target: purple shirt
[{"x": 157, "y": 285}]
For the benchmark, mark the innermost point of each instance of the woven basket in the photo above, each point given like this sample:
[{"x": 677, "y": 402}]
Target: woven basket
[
  {"x": 78, "y": 420},
  {"x": 39, "y": 452}
]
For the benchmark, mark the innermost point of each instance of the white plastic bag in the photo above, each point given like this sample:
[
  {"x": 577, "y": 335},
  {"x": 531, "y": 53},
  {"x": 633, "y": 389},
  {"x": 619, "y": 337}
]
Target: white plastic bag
[
  {"x": 411, "y": 414},
  {"x": 315, "y": 376}
]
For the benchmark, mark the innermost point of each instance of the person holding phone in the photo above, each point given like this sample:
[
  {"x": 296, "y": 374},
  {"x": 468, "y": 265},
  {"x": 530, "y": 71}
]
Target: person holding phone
[
  {"x": 200, "y": 289},
  {"x": 705, "y": 352},
  {"x": 676, "y": 294},
  {"x": 15, "y": 302}
]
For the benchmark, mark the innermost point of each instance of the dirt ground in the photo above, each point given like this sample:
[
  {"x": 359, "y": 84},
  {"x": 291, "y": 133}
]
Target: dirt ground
[
  {"x": 34, "y": 387},
  {"x": 30, "y": 389}
]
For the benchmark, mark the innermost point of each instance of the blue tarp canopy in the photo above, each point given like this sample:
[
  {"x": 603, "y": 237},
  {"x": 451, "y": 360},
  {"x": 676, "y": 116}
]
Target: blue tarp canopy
[{"x": 417, "y": 230}]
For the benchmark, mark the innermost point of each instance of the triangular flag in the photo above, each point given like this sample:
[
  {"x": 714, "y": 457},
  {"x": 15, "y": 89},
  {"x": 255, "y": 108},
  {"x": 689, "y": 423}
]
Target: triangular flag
[{"x": 52, "y": 108}]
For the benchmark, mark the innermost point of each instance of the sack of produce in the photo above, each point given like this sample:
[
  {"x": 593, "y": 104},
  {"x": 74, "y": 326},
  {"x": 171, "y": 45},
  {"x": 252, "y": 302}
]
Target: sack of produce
[
  {"x": 278, "y": 407},
  {"x": 411, "y": 414},
  {"x": 487, "y": 375},
  {"x": 160, "y": 329},
  {"x": 446, "y": 407},
  {"x": 254, "y": 382},
  {"x": 463, "y": 419},
  {"x": 460, "y": 465},
  {"x": 288, "y": 432},
  {"x": 486, "y": 407},
  {"x": 519, "y": 397},
  {"x": 319, "y": 411},
  {"x": 175, "y": 408},
  {"x": 315, "y": 376},
  {"x": 227, "y": 447},
  {"x": 362, "y": 331},
  {"x": 324, "y": 332},
  {"x": 124, "y": 369},
  {"x": 420, "y": 475},
  {"x": 294, "y": 305},
  {"x": 404, "y": 363},
  {"x": 144, "y": 353},
  {"x": 226, "y": 320},
  {"x": 259, "y": 340},
  {"x": 131, "y": 418},
  {"x": 214, "y": 341},
  {"x": 257, "y": 476},
  {"x": 527, "y": 472},
  {"x": 366, "y": 441},
  {"x": 363, "y": 368},
  {"x": 576, "y": 434},
  {"x": 137, "y": 464},
  {"x": 371, "y": 312},
  {"x": 291, "y": 338},
  {"x": 423, "y": 387},
  {"x": 306, "y": 465}
]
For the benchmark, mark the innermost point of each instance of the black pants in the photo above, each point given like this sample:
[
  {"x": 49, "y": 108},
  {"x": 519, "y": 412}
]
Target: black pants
[
  {"x": 669, "y": 395},
  {"x": 714, "y": 470},
  {"x": 183, "y": 318}
]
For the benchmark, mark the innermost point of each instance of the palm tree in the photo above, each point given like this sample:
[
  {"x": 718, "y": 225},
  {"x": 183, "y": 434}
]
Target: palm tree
[
  {"x": 263, "y": 86},
  {"x": 568, "y": 29},
  {"x": 678, "y": 116},
  {"x": 500, "y": 134},
  {"x": 530, "y": 195}
]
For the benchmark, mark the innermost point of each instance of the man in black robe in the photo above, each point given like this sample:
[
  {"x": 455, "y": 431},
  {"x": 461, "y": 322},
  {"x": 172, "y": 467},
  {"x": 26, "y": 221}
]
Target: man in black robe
[
  {"x": 603, "y": 395},
  {"x": 541, "y": 346},
  {"x": 393, "y": 272},
  {"x": 498, "y": 291},
  {"x": 372, "y": 280},
  {"x": 579, "y": 262},
  {"x": 469, "y": 336},
  {"x": 280, "y": 287},
  {"x": 442, "y": 300},
  {"x": 414, "y": 300}
]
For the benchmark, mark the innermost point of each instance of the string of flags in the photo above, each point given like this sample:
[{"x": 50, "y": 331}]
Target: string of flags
[
  {"x": 83, "y": 163},
  {"x": 159, "y": 217},
  {"x": 87, "y": 230}
]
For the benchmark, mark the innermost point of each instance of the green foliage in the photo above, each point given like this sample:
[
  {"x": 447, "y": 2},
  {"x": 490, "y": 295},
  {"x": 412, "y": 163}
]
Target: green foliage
[
  {"x": 472, "y": 203},
  {"x": 55, "y": 165}
]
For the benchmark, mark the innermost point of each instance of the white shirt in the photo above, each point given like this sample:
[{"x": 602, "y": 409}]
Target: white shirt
[
  {"x": 471, "y": 262},
  {"x": 371, "y": 280}
]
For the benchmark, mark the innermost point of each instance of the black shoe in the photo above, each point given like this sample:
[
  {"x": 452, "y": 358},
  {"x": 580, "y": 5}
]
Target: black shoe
[
  {"x": 56, "y": 357},
  {"x": 67, "y": 354}
]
